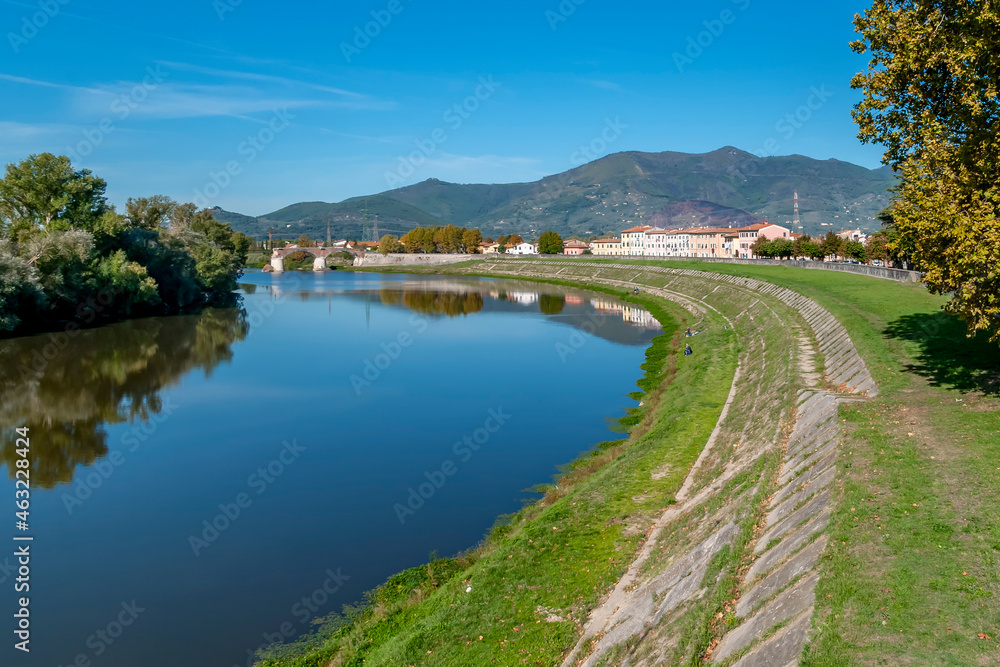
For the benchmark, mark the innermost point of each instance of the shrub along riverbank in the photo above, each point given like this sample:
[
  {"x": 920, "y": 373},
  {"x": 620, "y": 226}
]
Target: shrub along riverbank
[
  {"x": 69, "y": 260},
  {"x": 538, "y": 574}
]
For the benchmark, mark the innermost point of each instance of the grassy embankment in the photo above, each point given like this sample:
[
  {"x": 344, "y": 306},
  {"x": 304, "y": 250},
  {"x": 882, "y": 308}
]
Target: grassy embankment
[
  {"x": 538, "y": 574},
  {"x": 912, "y": 576}
]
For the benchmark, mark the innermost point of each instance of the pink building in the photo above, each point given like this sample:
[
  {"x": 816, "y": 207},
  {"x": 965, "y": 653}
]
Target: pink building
[
  {"x": 574, "y": 247},
  {"x": 748, "y": 236}
]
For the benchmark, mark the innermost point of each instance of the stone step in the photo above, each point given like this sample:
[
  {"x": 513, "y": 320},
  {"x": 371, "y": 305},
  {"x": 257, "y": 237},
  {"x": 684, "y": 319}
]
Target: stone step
[{"x": 790, "y": 604}]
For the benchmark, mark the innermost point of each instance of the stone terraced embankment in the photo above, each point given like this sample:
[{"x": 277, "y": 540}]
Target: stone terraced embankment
[{"x": 738, "y": 551}]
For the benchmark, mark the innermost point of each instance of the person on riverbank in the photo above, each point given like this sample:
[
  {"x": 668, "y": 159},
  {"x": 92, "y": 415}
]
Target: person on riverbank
[{"x": 688, "y": 350}]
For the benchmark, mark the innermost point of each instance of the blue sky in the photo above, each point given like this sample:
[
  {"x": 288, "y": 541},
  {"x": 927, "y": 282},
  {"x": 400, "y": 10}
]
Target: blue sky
[{"x": 252, "y": 106}]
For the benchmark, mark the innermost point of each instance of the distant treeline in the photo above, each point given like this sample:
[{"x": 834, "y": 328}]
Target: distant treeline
[
  {"x": 67, "y": 256},
  {"x": 831, "y": 245},
  {"x": 446, "y": 239}
]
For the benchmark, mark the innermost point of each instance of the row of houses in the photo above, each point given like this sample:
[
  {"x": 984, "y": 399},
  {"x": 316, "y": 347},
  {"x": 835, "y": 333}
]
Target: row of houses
[
  {"x": 571, "y": 247},
  {"x": 649, "y": 241}
]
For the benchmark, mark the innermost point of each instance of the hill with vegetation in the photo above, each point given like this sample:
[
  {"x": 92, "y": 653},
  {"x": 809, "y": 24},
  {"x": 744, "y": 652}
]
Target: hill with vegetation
[{"x": 722, "y": 188}]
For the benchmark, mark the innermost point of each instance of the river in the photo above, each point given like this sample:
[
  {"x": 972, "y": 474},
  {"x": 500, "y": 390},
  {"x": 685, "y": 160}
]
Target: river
[{"x": 203, "y": 484}]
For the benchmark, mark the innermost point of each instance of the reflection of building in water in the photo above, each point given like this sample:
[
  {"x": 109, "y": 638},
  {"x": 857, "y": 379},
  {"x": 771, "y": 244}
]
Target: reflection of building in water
[
  {"x": 574, "y": 300},
  {"x": 525, "y": 298},
  {"x": 639, "y": 316},
  {"x": 629, "y": 313}
]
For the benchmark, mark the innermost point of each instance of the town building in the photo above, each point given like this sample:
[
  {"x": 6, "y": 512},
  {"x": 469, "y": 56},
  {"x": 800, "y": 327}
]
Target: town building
[
  {"x": 606, "y": 247},
  {"x": 575, "y": 248},
  {"x": 634, "y": 240},
  {"x": 853, "y": 235},
  {"x": 749, "y": 235},
  {"x": 523, "y": 249},
  {"x": 489, "y": 248}
]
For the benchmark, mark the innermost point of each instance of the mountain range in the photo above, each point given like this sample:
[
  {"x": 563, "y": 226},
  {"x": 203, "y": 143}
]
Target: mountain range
[{"x": 726, "y": 187}]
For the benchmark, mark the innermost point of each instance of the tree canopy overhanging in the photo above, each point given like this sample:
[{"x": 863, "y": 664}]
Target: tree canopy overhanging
[
  {"x": 930, "y": 97},
  {"x": 66, "y": 255}
]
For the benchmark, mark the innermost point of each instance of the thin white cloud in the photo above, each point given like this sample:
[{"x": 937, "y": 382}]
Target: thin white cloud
[
  {"x": 173, "y": 101},
  {"x": 45, "y": 84},
  {"x": 251, "y": 76}
]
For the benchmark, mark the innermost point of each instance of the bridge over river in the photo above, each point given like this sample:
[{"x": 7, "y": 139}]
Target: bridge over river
[{"x": 319, "y": 254}]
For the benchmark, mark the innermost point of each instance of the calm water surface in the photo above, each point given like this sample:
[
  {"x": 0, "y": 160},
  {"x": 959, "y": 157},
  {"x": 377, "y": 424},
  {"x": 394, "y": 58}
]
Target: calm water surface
[{"x": 214, "y": 481}]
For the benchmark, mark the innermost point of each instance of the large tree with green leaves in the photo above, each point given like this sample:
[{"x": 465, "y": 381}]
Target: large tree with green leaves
[
  {"x": 550, "y": 243},
  {"x": 930, "y": 97},
  {"x": 45, "y": 192}
]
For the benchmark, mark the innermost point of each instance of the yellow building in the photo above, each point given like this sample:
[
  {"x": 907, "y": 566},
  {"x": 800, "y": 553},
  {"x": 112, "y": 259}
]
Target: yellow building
[{"x": 606, "y": 247}]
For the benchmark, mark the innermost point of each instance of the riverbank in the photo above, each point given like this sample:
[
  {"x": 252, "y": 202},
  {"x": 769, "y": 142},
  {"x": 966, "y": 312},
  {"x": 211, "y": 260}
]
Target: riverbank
[
  {"x": 540, "y": 571},
  {"x": 902, "y": 464}
]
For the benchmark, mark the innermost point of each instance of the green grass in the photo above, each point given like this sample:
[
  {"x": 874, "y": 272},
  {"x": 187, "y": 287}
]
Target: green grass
[
  {"x": 562, "y": 554},
  {"x": 911, "y": 577}
]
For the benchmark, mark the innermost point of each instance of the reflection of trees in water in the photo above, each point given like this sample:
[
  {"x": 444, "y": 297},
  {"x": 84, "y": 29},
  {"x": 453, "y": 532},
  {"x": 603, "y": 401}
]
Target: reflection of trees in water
[
  {"x": 101, "y": 376},
  {"x": 451, "y": 304},
  {"x": 390, "y": 297},
  {"x": 552, "y": 304}
]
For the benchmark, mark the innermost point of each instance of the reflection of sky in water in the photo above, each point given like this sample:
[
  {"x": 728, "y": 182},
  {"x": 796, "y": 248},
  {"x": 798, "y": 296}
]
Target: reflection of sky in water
[{"x": 131, "y": 481}]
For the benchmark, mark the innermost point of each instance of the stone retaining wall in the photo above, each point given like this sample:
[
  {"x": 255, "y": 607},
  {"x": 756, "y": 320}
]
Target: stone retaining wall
[
  {"x": 411, "y": 259},
  {"x": 775, "y": 605}
]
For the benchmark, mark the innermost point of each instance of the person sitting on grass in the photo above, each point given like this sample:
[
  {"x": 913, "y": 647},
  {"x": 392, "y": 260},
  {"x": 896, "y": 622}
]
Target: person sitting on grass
[{"x": 688, "y": 350}]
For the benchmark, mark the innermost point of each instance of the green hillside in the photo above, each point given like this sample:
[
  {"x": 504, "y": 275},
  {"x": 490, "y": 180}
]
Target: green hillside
[
  {"x": 347, "y": 219},
  {"x": 723, "y": 187}
]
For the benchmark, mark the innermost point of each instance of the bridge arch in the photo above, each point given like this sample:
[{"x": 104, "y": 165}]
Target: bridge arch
[{"x": 319, "y": 254}]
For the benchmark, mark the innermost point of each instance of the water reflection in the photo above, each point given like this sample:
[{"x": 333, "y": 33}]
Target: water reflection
[{"x": 68, "y": 389}]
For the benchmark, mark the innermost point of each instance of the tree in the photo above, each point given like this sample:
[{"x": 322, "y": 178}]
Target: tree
[
  {"x": 150, "y": 212},
  {"x": 44, "y": 192},
  {"x": 855, "y": 250},
  {"x": 812, "y": 250},
  {"x": 389, "y": 243},
  {"x": 878, "y": 247},
  {"x": 550, "y": 243},
  {"x": 930, "y": 97},
  {"x": 832, "y": 245},
  {"x": 782, "y": 248},
  {"x": 471, "y": 240},
  {"x": 514, "y": 239},
  {"x": 761, "y": 247}
]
